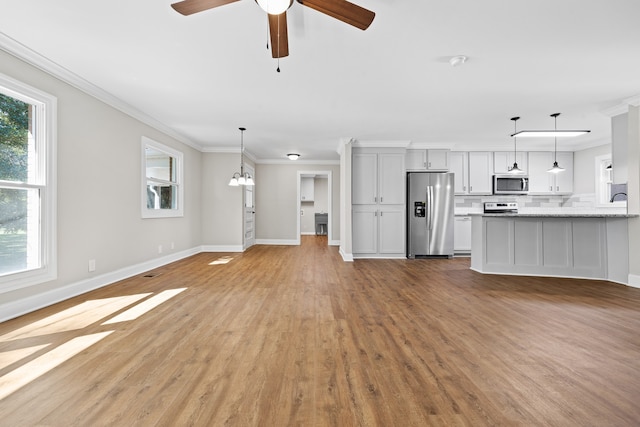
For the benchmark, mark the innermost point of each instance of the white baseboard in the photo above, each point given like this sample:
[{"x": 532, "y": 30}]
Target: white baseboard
[
  {"x": 334, "y": 243},
  {"x": 26, "y": 305},
  {"x": 634, "y": 281},
  {"x": 345, "y": 256},
  {"x": 277, "y": 242},
  {"x": 222, "y": 248}
]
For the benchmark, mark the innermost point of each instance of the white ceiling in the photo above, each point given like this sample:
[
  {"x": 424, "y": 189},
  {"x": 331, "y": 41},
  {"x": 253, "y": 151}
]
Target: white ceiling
[{"x": 205, "y": 75}]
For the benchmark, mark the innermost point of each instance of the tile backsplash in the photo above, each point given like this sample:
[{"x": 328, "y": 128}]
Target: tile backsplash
[{"x": 574, "y": 201}]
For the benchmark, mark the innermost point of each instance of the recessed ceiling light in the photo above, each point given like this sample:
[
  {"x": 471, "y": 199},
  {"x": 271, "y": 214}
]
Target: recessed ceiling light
[
  {"x": 293, "y": 156},
  {"x": 457, "y": 60}
]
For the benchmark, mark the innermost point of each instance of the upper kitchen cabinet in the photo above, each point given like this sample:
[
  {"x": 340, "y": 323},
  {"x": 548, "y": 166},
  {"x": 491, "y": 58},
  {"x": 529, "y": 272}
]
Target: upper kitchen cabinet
[
  {"x": 543, "y": 182},
  {"x": 378, "y": 178},
  {"x": 307, "y": 189},
  {"x": 480, "y": 172},
  {"x": 427, "y": 160},
  {"x": 503, "y": 161},
  {"x": 459, "y": 165}
]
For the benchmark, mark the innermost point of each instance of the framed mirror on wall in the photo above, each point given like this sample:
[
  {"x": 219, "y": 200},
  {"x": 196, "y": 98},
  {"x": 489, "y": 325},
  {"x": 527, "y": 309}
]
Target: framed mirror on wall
[{"x": 162, "y": 176}]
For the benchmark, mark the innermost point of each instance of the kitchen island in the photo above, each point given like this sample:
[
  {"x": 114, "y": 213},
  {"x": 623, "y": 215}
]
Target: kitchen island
[{"x": 587, "y": 245}]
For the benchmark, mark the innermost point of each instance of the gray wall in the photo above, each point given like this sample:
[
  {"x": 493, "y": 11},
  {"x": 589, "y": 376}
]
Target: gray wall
[
  {"x": 99, "y": 186},
  {"x": 221, "y": 204},
  {"x": 277, "y": 204},
  {"x": 584, "y": 168},
  {"x": 620, "y": 135}
]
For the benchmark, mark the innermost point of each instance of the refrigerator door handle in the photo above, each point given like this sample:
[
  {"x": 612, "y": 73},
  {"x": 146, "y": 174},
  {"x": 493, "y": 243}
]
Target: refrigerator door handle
[{"x": 430, "y": 201}]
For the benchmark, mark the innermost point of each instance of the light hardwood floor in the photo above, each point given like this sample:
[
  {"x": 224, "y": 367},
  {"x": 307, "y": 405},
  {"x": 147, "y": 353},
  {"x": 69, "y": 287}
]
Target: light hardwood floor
[{"x": 281, "y": 336}]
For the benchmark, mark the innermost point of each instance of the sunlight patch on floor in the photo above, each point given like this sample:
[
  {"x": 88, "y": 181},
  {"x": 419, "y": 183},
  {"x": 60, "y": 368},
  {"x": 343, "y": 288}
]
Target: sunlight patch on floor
[
  {"x": 12, "y": 356},
  {"x": 222, "y": 260},
  {"x": 145, "y": 306},
  {"x": 78, "y": 317},
  {"x": 28, "y": 372}
]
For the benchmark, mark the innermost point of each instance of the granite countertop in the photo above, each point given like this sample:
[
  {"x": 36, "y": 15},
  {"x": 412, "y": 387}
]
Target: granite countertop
[{"x": 559, "y": 215}]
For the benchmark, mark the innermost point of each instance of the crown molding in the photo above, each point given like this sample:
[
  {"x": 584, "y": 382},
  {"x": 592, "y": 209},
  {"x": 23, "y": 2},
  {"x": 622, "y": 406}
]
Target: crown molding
[
  {"x": 380, "y": 144},
  {"x": 297, "y": 162},
  {"x": 31, "y": 57},
  {"x": 623, "y": 107}
]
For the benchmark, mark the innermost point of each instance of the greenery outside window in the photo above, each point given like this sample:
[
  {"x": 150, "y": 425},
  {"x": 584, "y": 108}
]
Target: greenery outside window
[
  {"x": 162, "y": 192},
  {"x": 27, "y": 185}
]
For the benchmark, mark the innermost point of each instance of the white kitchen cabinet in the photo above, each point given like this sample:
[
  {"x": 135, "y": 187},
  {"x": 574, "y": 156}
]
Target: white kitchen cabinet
[
  {"x": 438, "y": 160},
  {"x": 391, "y": 230},
  {"x": 378, "y": 178},
  {"x": 416, "y": 160},
  {"x": 503, "y": 161},
  {"x": 364, "y": 178},
  {"x": 459, "y": 166},
  {"x": 462, "y": 234},
  {"x": 543, "y": 182},
  {"x": 378, "y": 198},
  {"x": 427, "y": 160},
  {"x": 307, "y": 187},
  {"x": 480, "y": 172},
  {"x": 564, "y": 180},
  {"x": 378, "y": 231}
]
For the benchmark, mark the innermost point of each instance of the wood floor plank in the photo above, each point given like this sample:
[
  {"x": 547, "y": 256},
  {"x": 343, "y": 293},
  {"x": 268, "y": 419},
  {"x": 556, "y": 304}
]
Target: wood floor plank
[{"x": 292, "y": 335}]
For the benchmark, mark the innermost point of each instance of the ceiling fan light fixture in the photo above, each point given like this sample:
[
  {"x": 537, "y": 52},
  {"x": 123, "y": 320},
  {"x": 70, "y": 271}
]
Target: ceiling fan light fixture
[
  {"x": 293, "y": 156},
  {"x": 274, "y": 7}
]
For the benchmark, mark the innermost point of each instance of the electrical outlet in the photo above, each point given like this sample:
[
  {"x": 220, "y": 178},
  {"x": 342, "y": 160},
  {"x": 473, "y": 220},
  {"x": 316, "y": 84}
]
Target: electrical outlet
[
  {"x": 301, "y": 212},
  {"x": 173, "y": 245},
  {"x": 159, "y": 249},
  {"x": 92, "y": 265}
]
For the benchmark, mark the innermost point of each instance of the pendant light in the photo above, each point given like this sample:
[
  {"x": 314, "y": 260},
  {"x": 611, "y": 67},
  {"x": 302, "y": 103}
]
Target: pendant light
[
  {"x": 242, "y": 177},
  {"x": 555, "y": 168},
  {"x": 515, "y": 169}
]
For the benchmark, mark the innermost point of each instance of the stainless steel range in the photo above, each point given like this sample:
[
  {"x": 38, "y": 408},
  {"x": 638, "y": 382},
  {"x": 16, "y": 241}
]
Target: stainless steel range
[{"x": 501, "y": 207}]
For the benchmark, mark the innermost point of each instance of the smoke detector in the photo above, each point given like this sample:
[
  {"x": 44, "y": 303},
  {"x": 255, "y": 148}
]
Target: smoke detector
[{"x": 457, "y": 60}]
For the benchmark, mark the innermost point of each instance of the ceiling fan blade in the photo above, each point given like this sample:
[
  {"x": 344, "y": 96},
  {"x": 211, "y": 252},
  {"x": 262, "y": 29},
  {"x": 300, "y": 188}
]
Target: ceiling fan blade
[
  {"x": 344, "y": 11},
  {"x": 188, "y": 7},
  {"x": 279, "y": 37}
]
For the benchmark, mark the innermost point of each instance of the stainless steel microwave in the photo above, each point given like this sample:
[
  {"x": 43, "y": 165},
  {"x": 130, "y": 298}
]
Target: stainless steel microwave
[{"x": 510, "y": 184}]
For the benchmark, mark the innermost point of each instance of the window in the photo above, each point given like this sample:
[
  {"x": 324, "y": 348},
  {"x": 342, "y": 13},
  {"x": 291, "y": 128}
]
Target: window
[
  {"x": 162, "y": 193},
  {"x": 27, "y": 185},
  {"x": 605, "y": 188}
]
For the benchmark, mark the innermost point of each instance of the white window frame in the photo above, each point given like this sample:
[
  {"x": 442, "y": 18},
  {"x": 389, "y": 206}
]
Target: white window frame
[
  {"x": 45, "y": 106},
  {"x": 603, "y": 183},
  {"x": 162, "y": 213}
]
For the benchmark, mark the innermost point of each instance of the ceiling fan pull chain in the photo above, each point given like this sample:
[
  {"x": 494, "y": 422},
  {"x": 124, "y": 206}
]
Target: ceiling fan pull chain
[
  {"x": 267, "y": 32},
  {"x": 278, "y": 69}
]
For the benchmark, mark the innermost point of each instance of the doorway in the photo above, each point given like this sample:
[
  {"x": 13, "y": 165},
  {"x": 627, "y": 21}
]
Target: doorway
[
  {"x": 249, "y": 213},
  {"x": 314, "y": 208}
]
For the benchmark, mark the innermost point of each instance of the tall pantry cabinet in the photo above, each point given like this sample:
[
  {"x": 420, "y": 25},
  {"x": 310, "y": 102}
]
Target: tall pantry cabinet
[{"x": 378, "y": 203}]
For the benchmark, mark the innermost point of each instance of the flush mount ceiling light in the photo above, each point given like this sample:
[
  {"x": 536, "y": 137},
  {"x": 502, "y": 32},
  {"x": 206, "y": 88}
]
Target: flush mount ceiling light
[
  {"x": 515, "y": 169},
  {"x": 242, "y": 177},
  {"x": 457, "y": 60},
  {"x": 293, "y": 156},
  {"x": 555, "y": 168}
]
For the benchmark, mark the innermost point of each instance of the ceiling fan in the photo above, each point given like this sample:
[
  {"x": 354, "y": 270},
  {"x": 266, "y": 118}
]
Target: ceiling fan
[{"x": 341, "y": 10}]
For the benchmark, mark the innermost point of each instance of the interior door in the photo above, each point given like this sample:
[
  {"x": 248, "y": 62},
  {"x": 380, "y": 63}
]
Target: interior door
[{"x": 249, "y": 212}]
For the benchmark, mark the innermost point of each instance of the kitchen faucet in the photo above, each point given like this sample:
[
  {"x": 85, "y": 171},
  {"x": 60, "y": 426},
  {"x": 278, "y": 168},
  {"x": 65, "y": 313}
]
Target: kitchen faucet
[{"x": 614, "y": 196}]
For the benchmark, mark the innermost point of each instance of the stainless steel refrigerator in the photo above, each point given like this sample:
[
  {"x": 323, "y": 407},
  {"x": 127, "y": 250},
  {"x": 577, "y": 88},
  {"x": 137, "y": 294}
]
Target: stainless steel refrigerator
[{"x": 430, "y": 214}]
